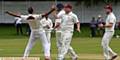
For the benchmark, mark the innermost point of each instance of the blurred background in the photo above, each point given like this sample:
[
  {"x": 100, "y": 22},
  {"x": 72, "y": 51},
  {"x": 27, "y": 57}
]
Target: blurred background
[{"x": 86, "y": 10}]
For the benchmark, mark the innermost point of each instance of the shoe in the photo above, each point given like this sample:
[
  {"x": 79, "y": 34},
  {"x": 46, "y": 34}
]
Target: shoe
[
  {"x": 75, "y": 58},
  {"x": 47, "y": 58},
  {"x": 113, "y": 57},
  {"x": 24, "y": 58}
]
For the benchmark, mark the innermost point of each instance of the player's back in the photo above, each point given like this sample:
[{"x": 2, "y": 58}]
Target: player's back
[{"x": 32, "y": 20}]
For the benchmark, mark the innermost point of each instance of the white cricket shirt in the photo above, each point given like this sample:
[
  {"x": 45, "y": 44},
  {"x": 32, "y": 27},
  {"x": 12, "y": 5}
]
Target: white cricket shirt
[
  {"x": 68, "y": 21},
  {"x": 33, "y": 23},
  {"x": 18, "y": 20},
  {"x": 110, "y": 19},
  {"x": 48, "y": 22},
  {"x": 59, "y": 20}
]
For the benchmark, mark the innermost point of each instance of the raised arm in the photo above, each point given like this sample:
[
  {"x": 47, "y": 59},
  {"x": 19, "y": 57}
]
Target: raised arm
[
  {"x": 49, "y": 12},
  {"x": 12, "y": 14}
]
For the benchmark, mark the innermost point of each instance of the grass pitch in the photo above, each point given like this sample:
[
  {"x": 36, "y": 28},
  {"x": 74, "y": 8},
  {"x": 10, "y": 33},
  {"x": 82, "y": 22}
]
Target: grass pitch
[{"x": 87, "y": 48}]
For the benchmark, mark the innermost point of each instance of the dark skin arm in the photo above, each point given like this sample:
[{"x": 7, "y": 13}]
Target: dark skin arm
[
  {"x": 58, "y": 24},
  {"x": 44, "y": 15},
  {"x": 49, "y": 12},
  {"x": 12, "y": 14}
]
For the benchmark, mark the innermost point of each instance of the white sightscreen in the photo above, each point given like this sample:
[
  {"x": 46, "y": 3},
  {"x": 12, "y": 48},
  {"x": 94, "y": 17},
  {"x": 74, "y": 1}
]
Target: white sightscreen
[{"x": 84, "y": 13}]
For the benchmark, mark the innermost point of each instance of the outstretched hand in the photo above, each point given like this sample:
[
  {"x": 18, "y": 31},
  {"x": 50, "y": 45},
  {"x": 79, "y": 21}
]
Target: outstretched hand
[{"x": 6, "y": 12}]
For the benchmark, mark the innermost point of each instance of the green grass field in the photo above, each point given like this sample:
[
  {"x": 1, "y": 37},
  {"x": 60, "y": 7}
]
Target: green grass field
[{"x": 87, "y": 48}]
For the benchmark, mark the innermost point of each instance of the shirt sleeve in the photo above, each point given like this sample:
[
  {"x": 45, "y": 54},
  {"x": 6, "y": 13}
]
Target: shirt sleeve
[
  {"x": 39, "y": 16},
  {"x": 23, "y": 17},
  {"x": 75, "y": 19},
  {"x": 60, "y": 14},
  {"x": 112, "y": 20}
]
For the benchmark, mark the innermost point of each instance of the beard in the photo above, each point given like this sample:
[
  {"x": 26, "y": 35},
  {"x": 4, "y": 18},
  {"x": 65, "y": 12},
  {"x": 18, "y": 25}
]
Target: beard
[{"x": 107, "y": 13}]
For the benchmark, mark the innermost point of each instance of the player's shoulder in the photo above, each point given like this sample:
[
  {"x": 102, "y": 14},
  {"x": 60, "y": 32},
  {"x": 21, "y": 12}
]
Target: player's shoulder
[
  {"x": 61, "y": 12},
  {"x": 73, "y": 14},
  {"x": 112, "y": 16}
]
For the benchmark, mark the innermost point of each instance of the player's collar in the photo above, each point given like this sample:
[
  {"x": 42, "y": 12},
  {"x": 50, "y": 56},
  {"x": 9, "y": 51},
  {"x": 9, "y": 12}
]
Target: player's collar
[{"x": 69, "y": 13}]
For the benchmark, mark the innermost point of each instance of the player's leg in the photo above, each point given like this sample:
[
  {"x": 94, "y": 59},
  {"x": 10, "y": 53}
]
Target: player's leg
[
  {"x": 58, "y": 38},
  {"x": 17, "y": 29},
  {"x": 72, "y": 53},
  {"x": 21, "y": 29},
  {"x": 45, "y": 45},
  {"x": 48, "y": 35},
  {"x": 114, "y": 55},
  {"x": 105, "y": 40},
  {"x": 66, "y": 40},
  {"x": 30, "y": 44}
]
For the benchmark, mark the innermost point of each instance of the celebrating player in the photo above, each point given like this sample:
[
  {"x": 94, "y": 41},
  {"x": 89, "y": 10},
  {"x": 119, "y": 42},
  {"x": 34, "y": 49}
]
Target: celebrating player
[
  {"x": 57, "y": 25},
  {"x": 109, "y": 32},
  {"x": 47, "y": 25},
  {"x": 67, "y": 27},
  {"x": 61, "y": 11},
  {"x": 36, "y": 31}
]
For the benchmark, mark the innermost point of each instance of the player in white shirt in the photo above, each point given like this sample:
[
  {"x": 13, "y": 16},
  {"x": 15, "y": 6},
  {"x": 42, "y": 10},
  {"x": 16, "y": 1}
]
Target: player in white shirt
[
  {"x": 58, "y": 28},
  {"x": 109, "y": 32},
  {"x": 67, "y": 27},
  {"x": 47, "y": 25},
  {"x": 37, "y": 31},
  {"x": 18, "y": 25},
  {"x": 60, "y": 10}
]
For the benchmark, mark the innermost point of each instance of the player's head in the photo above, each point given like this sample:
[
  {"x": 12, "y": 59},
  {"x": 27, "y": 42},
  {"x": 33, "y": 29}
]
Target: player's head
[
  {"x": 108, "y": 8},
  {"x": 59, "y": 6},
  {"x": 99, "y": 16},
  {"x": 68, "y": 8},
  {"x": 30, "y": 10},
  {"x": 93, "y": 18}
]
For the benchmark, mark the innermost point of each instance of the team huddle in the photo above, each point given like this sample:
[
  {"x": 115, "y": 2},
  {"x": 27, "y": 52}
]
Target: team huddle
[{"x": 41, "y": 26}]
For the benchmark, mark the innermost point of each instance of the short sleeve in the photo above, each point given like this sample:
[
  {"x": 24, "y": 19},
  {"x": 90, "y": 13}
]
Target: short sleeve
[
  {"x": 112, "y": 20},
  {"x": 75, "y": 18},
  {"x": 24, "y": 17},
  {"x": 38, "y": 16}
]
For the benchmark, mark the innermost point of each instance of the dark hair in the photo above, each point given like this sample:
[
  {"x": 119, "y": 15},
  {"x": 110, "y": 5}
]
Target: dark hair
[
  {"x": 30, "y": 10},
  {"x": 60, "y": 6}
]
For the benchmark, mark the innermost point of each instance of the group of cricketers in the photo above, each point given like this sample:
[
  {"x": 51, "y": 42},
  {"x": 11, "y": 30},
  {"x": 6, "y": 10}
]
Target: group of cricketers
[{"x": 41, "y": 26}]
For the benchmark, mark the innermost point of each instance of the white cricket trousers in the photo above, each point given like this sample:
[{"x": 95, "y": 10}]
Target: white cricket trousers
[
  {"x": 64, "y": 45},
  {"x": 31, "y": 42},
  {"x": 105, "y": 44},
  {"x": 48, "y": 35}
]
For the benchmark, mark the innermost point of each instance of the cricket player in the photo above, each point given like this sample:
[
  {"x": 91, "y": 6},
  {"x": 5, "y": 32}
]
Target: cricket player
[
  {"x": 58, "y": 28},
  {"x": 109, "y": 32},
  {"x": 60, "y": 10},
  {"x": 67, "y": 27},
  {"x": 47, "y": 26},
  {"x": 36, "y": 31},
  {"x": 18, "y": 25}
]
